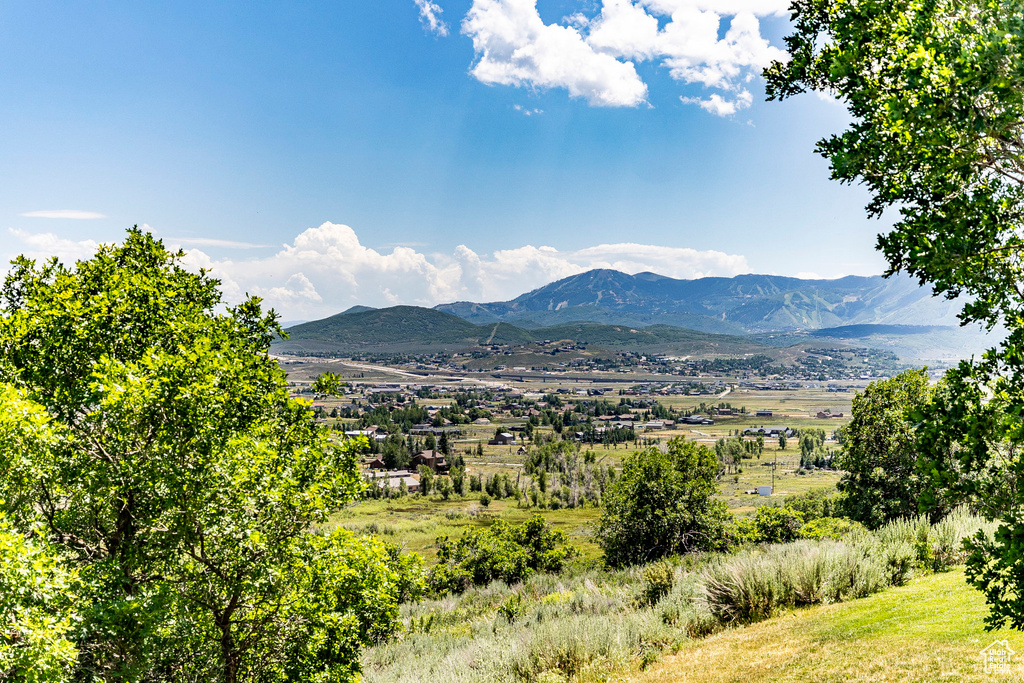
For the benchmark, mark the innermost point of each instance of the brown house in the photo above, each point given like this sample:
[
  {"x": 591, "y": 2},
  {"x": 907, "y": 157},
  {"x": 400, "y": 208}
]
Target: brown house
[{"x": 432, "y": 459}]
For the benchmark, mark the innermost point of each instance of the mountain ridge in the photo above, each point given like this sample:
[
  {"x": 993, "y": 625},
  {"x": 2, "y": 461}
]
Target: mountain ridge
[{"x": 743, "y": 304}]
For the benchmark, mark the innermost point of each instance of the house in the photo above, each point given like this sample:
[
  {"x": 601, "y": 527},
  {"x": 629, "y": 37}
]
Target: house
[
  {"x": 482, "y": 421},
  {"x": 432, "y": 459},
  {"x": 376, "y": 464},
  {"x": 394, "y": 478},
  {"x": 521, "y": 451},
  {"x": 654, "y": 425},
  {"x": 763, "y": 413},
  {"x": 770, "y": 432},
  {"x": 503, "y": 439}
]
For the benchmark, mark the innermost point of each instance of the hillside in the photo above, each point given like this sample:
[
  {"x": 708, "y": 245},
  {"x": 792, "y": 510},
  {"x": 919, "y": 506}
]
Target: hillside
[
  {"x": 410, "y": 329},
  {"x": 930, "y": 630},
  {"x": 739, "y": 305}
]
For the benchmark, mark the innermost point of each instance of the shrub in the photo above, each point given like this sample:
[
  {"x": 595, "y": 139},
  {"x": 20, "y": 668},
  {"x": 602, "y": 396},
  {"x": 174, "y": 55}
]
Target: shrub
[
  {"x": 757, "y": 584},
  {"x": 833, "y": 528},
  {"x": 820, "y": 502},
  {"x": 511, "y": 607},
  {"x": 659, "y": 577},
  {"x": 502, "y": 551},
  {"x": 776, "y": 525}
]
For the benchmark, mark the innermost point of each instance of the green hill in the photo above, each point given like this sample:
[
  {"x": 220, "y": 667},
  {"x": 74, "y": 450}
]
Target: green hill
[{"x": 410, "y": 329}]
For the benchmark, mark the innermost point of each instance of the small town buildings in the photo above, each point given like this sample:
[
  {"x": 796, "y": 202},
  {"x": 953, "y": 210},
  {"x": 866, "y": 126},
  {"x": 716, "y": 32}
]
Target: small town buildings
[{"x": 503, "y": 439}]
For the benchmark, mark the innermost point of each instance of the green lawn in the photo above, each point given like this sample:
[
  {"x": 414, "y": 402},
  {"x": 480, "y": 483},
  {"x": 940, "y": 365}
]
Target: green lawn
[{"x": 930, "y": 630}]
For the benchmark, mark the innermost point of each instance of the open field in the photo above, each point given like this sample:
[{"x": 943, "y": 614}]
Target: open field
[
  {"x": 415, "y": 523},
  {"x": 929, "y": 630}
]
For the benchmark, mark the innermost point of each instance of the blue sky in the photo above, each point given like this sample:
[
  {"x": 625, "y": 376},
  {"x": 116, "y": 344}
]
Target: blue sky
[{"x": 323, "y": 154}]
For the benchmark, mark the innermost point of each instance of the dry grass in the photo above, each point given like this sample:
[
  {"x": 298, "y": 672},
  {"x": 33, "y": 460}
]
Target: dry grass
[{"x": 930, "y": 630}]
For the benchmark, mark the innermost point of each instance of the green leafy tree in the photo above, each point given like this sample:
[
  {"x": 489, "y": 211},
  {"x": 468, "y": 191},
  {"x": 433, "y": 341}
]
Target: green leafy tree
[
  {"x": 327, "y": 384},
  {"x": 935, "y": 92},
  {"x": 879, "y": 455},
  {"x": 426, "y": 480},
  {"x": 662, "y": 504},
  {"x": 147, "y": 433}
]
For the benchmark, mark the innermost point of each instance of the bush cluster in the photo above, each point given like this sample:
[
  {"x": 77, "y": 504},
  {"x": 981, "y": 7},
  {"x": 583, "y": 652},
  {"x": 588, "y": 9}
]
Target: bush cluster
[
  {"x": 758, "y": 582},
  {"x": 502, "y": 551}
]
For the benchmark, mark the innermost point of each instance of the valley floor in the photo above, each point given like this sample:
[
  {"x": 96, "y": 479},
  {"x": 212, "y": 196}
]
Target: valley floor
[{"x": 929, "y": 630}]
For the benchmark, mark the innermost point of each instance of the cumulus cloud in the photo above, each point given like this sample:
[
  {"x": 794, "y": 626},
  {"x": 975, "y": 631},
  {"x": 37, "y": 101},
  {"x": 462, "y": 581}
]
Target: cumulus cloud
[
  {"x": 594, "y": 57},
  {"x": 43, "y": 245},
  {"x": 430, "y": 17},
  {"x": 515, "y": 47},
  {"x": 73, "y": 214},
  {"x": 326, "y": 269}
]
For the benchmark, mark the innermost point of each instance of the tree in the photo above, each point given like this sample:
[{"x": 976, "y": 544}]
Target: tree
[
  {"x": 879, "y": 456},
  {"x": 426, "y": 480},
  {"x": 782, "y": 442},
  {"x": 36, "y": 612},
  {"x": 935, "y": 90},
  {"x": 662, "y": 504},
  {"x": 327, "y": 384},
  {"x": 148, "y": 435}
]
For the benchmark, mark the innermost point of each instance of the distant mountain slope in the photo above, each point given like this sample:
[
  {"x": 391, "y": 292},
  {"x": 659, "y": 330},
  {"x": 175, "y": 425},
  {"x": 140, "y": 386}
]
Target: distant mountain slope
[
  {"x": 737, "y": 305},
  {"x": 410, "y": 329}
]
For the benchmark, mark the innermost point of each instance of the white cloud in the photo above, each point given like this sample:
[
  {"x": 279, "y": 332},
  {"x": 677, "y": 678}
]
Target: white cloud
[
  {"x": 719, "y": 106},
  {"x": 515, "y": 47},
  {"x": 64, "y": 213},
  {"x": 45, "y": 244},
  {"x": 430, "y": 16},
  {"x": 593, "y": 57},
  {"x": 326, "y": 269}
]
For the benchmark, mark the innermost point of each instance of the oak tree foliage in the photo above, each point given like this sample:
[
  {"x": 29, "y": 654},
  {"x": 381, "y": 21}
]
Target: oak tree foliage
[
  {"x": 935, "y": 90},
  {"x": 148, "y": 435}
]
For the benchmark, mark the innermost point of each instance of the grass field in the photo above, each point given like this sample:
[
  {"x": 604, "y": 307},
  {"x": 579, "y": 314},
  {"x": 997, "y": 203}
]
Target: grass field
[
  {"x": 929, "y": 630},
  {"x": 415, "y": 523}
]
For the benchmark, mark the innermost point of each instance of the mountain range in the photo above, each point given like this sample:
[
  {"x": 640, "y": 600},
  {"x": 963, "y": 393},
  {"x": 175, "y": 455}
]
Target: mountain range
[
  {"x": 743, "y": 304},
  {"x": 411, "y": 329},
  {"x": 651, "y": 313}
]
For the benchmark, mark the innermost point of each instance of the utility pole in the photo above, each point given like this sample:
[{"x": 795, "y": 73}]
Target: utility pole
[{"x": 774, "y": 466}]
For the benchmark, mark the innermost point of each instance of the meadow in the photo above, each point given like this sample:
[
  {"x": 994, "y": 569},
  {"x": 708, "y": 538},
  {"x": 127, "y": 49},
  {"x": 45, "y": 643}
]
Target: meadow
[{"x": 865, "y": 608}]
